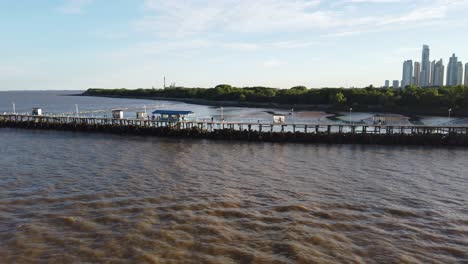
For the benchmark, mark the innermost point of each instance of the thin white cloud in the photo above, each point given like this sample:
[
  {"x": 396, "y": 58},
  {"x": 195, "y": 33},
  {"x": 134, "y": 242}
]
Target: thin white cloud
[
  {"x": 184, "y": 18},
  {"x": 176, "y": 18},
  {"x": 74, "y": 6}
]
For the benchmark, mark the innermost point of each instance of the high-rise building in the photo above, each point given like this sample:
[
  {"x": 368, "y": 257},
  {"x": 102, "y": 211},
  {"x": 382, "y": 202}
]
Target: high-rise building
[
  {"x": 431, "y": 81},
  {"x": 417, "y": 74},
  {"x": 387, "y": 83},
  {"x": 438, "y": 73},
  {"x": 459, "y": 73},
  {"x": 396, "y": 84},
  {"x": 407, "y": 73},
  {"x": 452, "y": 71},
  {"x": 466, "y": 74},
  {"x": 425, "y": 67}
]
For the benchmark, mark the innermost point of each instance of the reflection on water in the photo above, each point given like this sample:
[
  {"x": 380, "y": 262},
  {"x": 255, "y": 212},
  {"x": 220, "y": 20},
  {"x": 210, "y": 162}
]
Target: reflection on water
[{"x": 71, "y": 197}]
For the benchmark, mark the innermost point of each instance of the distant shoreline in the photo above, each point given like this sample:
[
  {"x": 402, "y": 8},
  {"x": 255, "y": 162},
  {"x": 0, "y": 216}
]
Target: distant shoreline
[
  {"x": 199, "y": 101},
  {"x": 412, "y": 114}
]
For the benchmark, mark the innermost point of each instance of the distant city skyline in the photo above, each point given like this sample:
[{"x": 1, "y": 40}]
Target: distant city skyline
[
  {"x": 77, "y": 44},
  {"x": 432, "y": 73}
]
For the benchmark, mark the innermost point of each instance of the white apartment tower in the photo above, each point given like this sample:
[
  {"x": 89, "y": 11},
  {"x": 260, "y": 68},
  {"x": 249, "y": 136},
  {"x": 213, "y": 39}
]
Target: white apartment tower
[
  {"x": 459, "y": 73},
  {"x": 431, "y": 81},
  {"x": 407, "y": 74},
  {"x": 417, "y": 74},
  {"x": 466, "y": 74},
  {"x": 438, "y": 73},
  {"x": 452, "y": 71}
]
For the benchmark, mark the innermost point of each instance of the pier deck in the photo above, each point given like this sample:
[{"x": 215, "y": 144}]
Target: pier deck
[{"x": 237, "y": 126}]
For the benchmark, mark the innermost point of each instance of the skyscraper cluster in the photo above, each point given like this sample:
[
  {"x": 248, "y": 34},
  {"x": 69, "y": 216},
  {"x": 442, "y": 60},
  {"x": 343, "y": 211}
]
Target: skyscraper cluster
[{"x": 429, "y": 73}]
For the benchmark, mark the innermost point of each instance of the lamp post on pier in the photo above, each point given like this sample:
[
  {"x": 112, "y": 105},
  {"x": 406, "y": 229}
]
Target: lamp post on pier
[
  {"x": 449, "y": 114},
  {"x": 292, "y": 115},
  {"x": 14, "y": 107},
  {"x": 222, "y": 114}
]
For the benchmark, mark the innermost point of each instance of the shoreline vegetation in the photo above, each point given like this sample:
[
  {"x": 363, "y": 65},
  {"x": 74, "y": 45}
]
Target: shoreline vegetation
[{"x": 410, "y": 101}]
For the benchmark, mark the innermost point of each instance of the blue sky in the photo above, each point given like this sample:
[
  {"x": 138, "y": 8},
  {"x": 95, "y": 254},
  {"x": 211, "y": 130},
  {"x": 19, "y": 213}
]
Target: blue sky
[{"x": 76, "y": 44}]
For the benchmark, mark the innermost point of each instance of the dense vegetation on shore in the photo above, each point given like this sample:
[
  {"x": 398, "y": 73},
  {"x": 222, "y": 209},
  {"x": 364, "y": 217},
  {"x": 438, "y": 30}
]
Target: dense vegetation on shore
[{"x": 430, "y": 100}]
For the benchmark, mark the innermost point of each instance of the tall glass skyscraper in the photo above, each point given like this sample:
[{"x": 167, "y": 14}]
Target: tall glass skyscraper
[
  {"x": 407, "y": 73},
  {"x": 466, "y": 74},
  {"x": 425, "y": 67},
  {"x": 417, "y": 74},
  {"x": 452, "y": 71}
]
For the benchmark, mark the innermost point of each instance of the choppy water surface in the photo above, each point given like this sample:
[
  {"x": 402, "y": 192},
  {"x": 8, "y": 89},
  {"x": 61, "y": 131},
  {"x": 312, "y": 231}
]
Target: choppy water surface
[{"x": 95, "y": 198}]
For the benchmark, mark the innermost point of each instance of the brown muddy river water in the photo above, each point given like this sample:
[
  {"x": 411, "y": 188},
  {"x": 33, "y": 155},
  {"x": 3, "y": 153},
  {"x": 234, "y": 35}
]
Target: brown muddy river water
[{"x": 96, "y": 198}]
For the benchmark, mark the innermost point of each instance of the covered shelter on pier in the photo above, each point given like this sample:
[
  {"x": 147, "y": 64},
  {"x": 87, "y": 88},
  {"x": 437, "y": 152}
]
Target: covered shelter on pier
[
  {"x": 173, "y": 115},
  {"x": 36, "y": 111},
  {"x": 117, "y": 114}
]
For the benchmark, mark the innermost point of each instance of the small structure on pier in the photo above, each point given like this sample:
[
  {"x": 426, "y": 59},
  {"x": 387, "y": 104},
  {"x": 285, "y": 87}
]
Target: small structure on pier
[
  {"x": 117, "y": 114},
  {"x": 173, "y": 115},
  {"x": 36, "y": 111},
  {"x": 279, "y": 119},
  {"x": 141, "y": 115},
  {"x": 387, "y": 119}
]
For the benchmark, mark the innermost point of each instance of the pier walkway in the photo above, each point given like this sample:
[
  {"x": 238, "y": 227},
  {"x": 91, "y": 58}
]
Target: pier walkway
[{"x": 209, "y": 126}]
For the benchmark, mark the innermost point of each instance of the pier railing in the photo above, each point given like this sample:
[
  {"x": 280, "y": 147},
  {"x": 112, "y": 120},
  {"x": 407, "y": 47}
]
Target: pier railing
[{"x": 211, "y": 126}]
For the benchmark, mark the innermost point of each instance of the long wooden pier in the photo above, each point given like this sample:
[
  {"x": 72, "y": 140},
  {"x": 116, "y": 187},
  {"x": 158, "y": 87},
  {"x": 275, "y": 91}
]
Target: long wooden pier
[
  {"x": 268, "y": 132},
  {"x": 240, "y": 126}
]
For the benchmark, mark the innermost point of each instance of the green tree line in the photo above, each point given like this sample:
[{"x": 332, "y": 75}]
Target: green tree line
[{"x": 407, "y": 99}]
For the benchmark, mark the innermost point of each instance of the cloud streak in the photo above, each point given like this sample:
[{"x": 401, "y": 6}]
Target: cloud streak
[
  {"x": 74, "y": 6},
  {"x": 175, "y": 18}
]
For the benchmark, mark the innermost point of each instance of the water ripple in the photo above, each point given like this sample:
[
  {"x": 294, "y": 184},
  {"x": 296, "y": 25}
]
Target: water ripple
[{"x": 119, "y": 199}]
